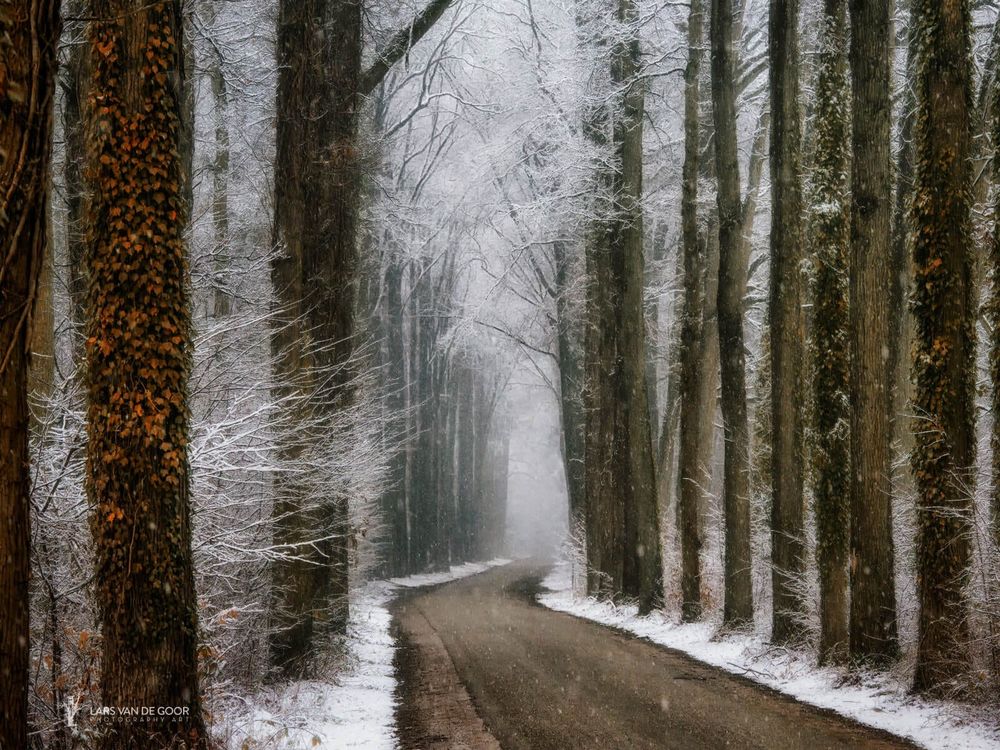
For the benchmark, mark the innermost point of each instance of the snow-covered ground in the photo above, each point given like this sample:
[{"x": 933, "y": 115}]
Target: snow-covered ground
[
  {"x": 876, "y": 702},
  {"x": 356, "y": 708}
]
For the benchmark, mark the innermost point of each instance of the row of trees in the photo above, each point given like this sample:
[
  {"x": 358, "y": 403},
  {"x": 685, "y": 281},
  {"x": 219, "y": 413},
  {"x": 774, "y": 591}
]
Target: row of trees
[
  {"x": 300, "y": 339},
  {"x": 243, "y": 432},
  {"x": 866, "y": 263}
]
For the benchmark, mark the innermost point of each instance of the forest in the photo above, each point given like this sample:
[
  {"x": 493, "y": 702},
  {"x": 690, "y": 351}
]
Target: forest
[{"x": 335, "y": 333}]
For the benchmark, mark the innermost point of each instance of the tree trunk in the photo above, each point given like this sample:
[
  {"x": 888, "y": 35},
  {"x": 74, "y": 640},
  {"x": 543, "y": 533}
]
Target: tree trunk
[
  {"x": 831, "y": 364},
  {"x": 317, "y": 188},
  {"x": 738, "y": 607},
  {"x": 622, "y": 522},
  {"x": 787, "y": 327},
  {"x": 394, "y": 497},
  {"x": 465, "y": 438},
  {"x": 444, "y": 456},
  {"x": 944, "y": 364},
  {"x": 425, "y": 495},
  {"x": 570, "y": 388},
  {"x": 993, "y": 318},
  {"x": 75, "y": 80},
  {"x": 139, "y": 361},
  {"x": 692, "y": 329},
  {"x": 651, "y": 307},
  {"x": 901, "y": 342},
  {"x": 873, "y": 593},
  {"x": 29, "y": 35},
  {"x": 221, "y": 303},
  {"x": 316, "y": 193}
]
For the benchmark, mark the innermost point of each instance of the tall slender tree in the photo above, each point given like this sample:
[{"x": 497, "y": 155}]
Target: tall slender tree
[
  {"x": 570, "y": 382},
  {"x": 621, "y": 518},
  {"x": 993, "y": 316},
  {"x": 873, "y": 592},
  {"x": 738, "y": 608},
  {"x": 317, "y": 194},
  {"x": 900, "y": 343},
  {"x": 138, "y": 363},
  {"x": 74, "y": 82},
  {"x": 691, "y": 326},
  {"x": 29, "y": 35},
  {"x": 944, "y": 355},
  {"x": 831, "y": 367},
  {"x": 786, "y": 324}
]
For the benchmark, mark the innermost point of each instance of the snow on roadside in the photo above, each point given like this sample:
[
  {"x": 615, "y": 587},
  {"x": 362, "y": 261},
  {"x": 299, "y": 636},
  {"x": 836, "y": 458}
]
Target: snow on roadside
[
  {"x": 356, "y": 709},
  {"x": 876, "y": 703}
]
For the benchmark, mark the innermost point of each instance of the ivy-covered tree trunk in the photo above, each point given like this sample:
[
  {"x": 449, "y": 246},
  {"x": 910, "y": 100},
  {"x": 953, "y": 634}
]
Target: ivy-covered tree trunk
[
  {"x": 691, "y": 376},
  {"x": 831, "y": 365},
  {"x": 787, "y": 326},
  {"x": 138, "y": 364},
  {"x": 29, "y": 35},
  {"x": 944, "y": 356},
  {"x": 873, "y": 591},
  {"x": 738, "y": 607}
]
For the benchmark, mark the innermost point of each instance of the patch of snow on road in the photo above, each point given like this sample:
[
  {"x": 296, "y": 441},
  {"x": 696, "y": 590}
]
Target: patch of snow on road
[
  {"x": 875, "y": 702},
  {"x": 354, "y": 710},
  {"x": 456, "y": 572}
]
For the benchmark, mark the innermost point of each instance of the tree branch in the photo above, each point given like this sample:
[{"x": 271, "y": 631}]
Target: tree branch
[{"x": 401, "y": 43}]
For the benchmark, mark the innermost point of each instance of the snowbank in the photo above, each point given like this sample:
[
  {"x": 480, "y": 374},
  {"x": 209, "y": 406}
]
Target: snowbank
[
  {"x": 357, "y": 708},
  {"x": 876, "y": 702}
]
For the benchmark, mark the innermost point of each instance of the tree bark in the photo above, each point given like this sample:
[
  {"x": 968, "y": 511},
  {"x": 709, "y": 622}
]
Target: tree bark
[
  {"x": 901, "y": 342},
  {"x": 787, "y": 327},
  {"x": 394, "y": 497},
  {"x": 139, "y": 361},
  {"x": 944, "y": 356},
  {"x": 316, "y": 191},
  {"x": 738, "y": 607},
  {"x": 221, "y": 300},
  {"x": 570, "y": 387},
  {"x": 317, "y": 194},
  {"x": 692, "y": 328},
  {"x": 622, "y": 521},
  {"x": 75, "y": 80},
  {"x": 831, "y": 364},
  {"x": 993, "y": 317},
  {"x": 873, "y": 594},
  {"x": 29, "y": 35}
]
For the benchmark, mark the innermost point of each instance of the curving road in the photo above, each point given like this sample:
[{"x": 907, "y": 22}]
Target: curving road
[{"x": 483, "y": 666}]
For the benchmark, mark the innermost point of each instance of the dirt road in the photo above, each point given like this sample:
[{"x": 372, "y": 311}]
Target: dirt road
[{"x": 482, "y": 666}]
